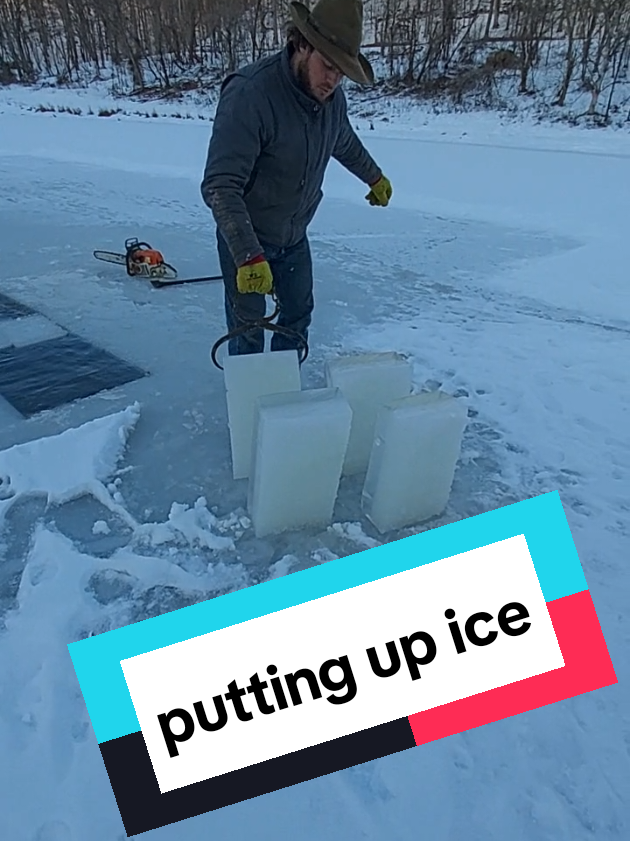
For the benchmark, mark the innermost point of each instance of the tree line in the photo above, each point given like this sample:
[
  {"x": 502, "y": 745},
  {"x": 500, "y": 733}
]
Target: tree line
[{"x": 429, "y": 45}]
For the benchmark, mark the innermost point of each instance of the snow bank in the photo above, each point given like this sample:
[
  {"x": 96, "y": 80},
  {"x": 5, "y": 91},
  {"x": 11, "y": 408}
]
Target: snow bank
[{"x": 68, "y": 465}]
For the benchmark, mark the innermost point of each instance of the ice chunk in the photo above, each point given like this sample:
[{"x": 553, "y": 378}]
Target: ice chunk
[
  {"x": 299, "y": 445},
  {"x": 367, "y": 381},
  {"x": 248, "y": 377},
  {"x": 18, "y": 332},
  {"x": 416, "y": 446}
]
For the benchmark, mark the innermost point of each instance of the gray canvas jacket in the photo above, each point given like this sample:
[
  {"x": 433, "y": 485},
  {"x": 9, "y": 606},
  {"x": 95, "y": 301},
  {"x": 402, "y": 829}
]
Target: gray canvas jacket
[{"x": 270, "y": 146}]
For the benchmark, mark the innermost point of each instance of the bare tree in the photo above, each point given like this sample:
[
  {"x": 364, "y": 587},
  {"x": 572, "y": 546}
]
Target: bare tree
[
  {"x": 426, "y": 43},
  {"x": 606, "y": 48}
]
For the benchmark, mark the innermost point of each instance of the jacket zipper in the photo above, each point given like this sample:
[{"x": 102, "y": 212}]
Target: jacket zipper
[{"x": 302, "y": 182}]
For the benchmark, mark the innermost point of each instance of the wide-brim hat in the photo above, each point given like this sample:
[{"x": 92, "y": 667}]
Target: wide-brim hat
[{"x": 335, "y": 29}]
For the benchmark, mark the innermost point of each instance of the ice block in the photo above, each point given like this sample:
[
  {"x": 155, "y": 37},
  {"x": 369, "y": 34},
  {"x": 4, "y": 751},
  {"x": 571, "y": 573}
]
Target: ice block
[
  {"x": 248, "y": 377},
  {"x": 416, "y": 447},
  {"x": 368, "y": 381},
  {"x": 299, "y": 444},
  {"x": 18, "y": 332}
]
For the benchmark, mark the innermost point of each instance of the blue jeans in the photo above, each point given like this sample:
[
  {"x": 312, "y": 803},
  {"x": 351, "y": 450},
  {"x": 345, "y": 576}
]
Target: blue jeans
[{"x": 292, "y": 271}]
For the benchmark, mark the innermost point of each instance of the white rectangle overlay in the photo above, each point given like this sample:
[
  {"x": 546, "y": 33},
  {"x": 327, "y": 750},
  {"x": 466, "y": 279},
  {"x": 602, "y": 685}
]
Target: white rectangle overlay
[{"x": 347, "y": 623}]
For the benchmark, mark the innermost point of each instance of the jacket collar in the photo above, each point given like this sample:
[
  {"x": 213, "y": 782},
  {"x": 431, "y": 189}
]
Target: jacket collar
[{"x": 311, "y": 105}]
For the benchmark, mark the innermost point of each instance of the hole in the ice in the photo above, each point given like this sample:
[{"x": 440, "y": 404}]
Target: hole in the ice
[{"x": 52, "y": 373}]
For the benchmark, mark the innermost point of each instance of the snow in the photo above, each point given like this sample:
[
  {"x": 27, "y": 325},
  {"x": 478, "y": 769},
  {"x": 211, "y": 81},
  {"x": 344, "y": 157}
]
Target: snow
[
  {"x": 68, "y": 465},
  {"x": 186, "y": 526},
  {"x": 100, "y": 527},
  {"x": 282, "y": 567},
  {"x": 354, "y": 532},
  {"x": 500, "y": 269}
]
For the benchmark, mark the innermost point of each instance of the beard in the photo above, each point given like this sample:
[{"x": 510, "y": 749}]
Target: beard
[
  {"x": 301, "y": 70},
  {"x": 302, "y": 77}
]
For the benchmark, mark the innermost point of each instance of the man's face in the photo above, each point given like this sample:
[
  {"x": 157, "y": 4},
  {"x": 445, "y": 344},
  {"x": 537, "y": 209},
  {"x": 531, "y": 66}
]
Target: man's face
[{"x": 318, "y": 75}]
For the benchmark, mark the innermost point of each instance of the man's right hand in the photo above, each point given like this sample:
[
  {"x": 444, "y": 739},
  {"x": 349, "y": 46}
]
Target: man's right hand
[{"x": 255, "y": 276}]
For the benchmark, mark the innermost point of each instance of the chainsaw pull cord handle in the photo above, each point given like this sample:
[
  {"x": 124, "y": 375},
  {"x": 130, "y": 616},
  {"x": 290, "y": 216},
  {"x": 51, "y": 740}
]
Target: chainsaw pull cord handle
[
  {"x": 133, "y": 244},
  {"x": 264, "y": 323}
]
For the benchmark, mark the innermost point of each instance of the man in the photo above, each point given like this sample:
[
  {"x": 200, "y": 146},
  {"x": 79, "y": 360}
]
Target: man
[{"x": 277, "y": 124}]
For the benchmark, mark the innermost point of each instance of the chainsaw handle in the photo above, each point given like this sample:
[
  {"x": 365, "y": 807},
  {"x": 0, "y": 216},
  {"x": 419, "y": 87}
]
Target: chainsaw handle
[{"x": 134, "y": 245}]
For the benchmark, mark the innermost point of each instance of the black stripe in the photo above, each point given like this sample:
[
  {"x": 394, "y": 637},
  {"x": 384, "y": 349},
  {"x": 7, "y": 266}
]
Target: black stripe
[{"x": 142, "y": 806}]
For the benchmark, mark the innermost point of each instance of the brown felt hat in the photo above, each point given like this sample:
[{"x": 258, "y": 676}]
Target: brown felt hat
[{"x": 335, "y": 29}]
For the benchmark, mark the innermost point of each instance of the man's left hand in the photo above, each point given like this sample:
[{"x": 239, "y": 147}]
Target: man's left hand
[{"x": 380, "y": 192}]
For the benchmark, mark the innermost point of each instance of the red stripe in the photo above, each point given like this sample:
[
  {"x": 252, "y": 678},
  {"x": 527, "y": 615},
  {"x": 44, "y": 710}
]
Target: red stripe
[{"x": 587, "y": 667}]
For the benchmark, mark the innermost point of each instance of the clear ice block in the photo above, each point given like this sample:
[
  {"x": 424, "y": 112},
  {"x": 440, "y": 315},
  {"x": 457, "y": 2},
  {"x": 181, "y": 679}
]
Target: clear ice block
[
  {"x": 368, "y": 381},
  {"x": 416, "y": 447},
  {"x": 299, "y": 445},
  {"x": 248, "y": 377}
]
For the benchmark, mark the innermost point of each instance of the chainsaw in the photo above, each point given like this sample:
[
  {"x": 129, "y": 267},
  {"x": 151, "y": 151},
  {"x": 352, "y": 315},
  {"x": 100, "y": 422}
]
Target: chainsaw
[{"x": 141, "y": 260}]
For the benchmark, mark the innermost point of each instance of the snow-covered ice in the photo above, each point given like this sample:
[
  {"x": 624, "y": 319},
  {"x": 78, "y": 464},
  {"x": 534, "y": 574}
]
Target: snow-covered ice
[
  {"x": 70, "y": 464},
  {"x": 500, "y": 269}
]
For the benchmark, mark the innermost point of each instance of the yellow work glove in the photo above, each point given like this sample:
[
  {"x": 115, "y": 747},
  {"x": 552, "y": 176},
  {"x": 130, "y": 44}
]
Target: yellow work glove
[
  {"x": 380, "y": 192},
  {"x": 255, "y": 276}
]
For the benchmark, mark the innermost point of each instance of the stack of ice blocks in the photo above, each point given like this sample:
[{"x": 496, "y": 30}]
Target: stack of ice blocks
[{"x": 295, "y": 445}]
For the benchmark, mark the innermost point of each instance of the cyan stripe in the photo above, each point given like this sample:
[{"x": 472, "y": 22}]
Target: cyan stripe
[{"x": 97, "y": 659}]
